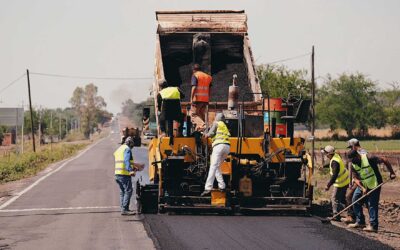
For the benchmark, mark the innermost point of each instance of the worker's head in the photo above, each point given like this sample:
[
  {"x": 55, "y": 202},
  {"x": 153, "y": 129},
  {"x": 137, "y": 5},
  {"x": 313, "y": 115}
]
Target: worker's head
[
  {"x": 329, "y": 151},
  {"x": 354, "y": 157},
  {"x": 129, "y": 142},
  {"x": 220, "y": 117},
  {"x": 196, "y": 67},
  {"x": 353, "y": 144},
  {"x": 163, "y": 84}
]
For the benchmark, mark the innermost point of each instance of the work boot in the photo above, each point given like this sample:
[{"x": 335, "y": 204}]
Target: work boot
[
  {"x": 347, "y": 220},
  {"x": 206, "y": 193},
  {"x": 370, "y": 229},
  {"x": 356, "y": 225},
  {"x": 128, "y": 212}
]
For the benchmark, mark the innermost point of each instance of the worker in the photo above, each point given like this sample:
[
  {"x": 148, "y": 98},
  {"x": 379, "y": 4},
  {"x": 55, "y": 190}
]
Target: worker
[
  {"x": 352, "y": 144},
  {"x": 169, "y": 106},
  {"x": 366, "y": 179},
  {"x": 200, "y": 96},
  {"x": 125, "y": 168},
  {"x": 339, "y": 179},
  {"x": 219, "y": 134}
]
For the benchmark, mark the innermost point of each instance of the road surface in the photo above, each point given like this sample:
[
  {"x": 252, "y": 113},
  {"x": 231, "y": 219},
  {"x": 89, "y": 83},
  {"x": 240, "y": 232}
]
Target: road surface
[{"x": 75, "y": 205}]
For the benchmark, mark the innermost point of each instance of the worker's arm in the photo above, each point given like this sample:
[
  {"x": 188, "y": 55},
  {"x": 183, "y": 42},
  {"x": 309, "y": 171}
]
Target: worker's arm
[
  {"x": 386, "y": 162},
  {"x": 335, "y": 171},
  {"x": 194, "y": 85},
  {"x": 181, "y": 93},
  {"x": 127, "y": 158},
  {"x": 159, "y": 101},
  {"x": 357, "y": 180},
  {"x": 213, "y": 130}
]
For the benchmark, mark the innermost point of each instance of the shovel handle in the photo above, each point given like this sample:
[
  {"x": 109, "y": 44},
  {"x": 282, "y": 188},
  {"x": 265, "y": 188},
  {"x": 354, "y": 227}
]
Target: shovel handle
[{"x": 362, "y": 197}]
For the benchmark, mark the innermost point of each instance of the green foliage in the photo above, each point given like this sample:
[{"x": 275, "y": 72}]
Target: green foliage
[
  {"x": 89, "y": 107},
  {"x": 391, "y": 103},
  {"x": 15, "y": 166},
  {"x": 349, "y": 102},
  {"x": 279, "y": 81}
]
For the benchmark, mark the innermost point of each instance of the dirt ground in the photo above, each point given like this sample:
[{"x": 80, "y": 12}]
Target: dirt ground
[{"x": 389, "y": 205}]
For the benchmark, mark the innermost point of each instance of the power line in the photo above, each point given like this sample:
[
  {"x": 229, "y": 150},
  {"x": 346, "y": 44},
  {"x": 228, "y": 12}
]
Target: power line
[
  {"x": 289, "y": 58},
  {"x": 11, "y": 83},
  {"x": 92, "y": 77}
]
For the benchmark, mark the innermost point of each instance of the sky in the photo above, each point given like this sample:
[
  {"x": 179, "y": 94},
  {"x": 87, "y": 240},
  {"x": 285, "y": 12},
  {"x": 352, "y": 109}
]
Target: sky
[{"x": 116, "y": 38}]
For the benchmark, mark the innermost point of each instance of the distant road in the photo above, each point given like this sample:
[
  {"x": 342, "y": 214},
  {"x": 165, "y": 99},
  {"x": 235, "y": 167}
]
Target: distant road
[{"x": 76, "y": 207}]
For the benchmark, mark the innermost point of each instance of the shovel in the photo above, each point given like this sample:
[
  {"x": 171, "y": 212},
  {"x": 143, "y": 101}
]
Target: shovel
[{"x": 329, "y": 219}]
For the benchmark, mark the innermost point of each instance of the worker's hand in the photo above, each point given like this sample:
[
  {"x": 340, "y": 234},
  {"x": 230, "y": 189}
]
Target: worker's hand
[
  {"x": 132, "y": 173},
  {"x": 392, "y": 176},
  {"x": 327, "y": 188},
  {"x": 364, "y": 190},
  {"x": 139, "y": 166}
]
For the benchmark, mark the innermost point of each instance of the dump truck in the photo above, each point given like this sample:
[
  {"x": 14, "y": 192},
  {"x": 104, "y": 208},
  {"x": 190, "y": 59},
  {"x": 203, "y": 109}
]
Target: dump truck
[{"x": 267, "y": 168}]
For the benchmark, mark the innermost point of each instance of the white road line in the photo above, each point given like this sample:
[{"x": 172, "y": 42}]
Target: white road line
[
  {"x": 7, "y": 203},
  {"x": 56, "y": 209}
]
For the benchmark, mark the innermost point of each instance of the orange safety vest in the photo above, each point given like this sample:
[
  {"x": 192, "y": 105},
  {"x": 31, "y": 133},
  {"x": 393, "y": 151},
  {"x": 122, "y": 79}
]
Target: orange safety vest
[{"x": 202, "y": 91}]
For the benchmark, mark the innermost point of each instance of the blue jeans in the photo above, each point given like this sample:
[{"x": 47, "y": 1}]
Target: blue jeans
[
  {"x": 372, "y": 201},
  {"x": 125, "y": 186}
]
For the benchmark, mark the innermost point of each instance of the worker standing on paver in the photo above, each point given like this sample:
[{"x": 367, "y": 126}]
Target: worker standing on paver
[
  {"x": 339, "y": 179},
  {"x": 200, "y": 96},
  {"x": 169, "y": 107},
  {"x": 219, "y": 134},
  {"x": 125, "y": 168},
  {"x": 366, "y": 179}
]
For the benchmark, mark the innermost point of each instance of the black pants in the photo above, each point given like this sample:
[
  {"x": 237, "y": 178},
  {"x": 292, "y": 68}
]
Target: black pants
[{"x": 167, "y": 122}]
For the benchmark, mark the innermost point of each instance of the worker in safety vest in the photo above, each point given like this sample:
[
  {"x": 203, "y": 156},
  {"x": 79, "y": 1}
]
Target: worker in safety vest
[
  {"x": 366, "y": 179},
  {"x": 219, "y": 135},
  {"x": 169, "y": 106},
  {"x": 124, "y": 169},
  {"x": 340, "y": 180},
  {"x": 200, "y": 96},
  {"x": 352, "y": 144}
]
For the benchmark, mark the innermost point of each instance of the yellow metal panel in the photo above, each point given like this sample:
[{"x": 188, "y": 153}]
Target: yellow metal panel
[
  {"x": 249, "y": 145},
  {"x": 179, "y": 142},
  {"x": 226, "y": 168},
  {"x": 278, "y": 143},
  {"x": 218, "y": 198}
]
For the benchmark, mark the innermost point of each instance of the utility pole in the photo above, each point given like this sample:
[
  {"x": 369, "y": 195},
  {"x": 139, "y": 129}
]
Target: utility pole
[
  {"x": 59, "y": 126},
  {"x": 30, "y": 107},
  {"x": 40, "y": 126},
  {"x": 312, "y": 110},
  {"x": 22, "y": 129}
]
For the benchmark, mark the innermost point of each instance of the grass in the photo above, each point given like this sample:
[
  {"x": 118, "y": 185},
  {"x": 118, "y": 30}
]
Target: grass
[
  {"x": 17, "y": 166},
  {"x": 381, "y": 145}
]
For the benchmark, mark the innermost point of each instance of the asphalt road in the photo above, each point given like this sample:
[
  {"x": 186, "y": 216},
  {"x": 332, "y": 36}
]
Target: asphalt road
[{"x": 74, "y": 205}]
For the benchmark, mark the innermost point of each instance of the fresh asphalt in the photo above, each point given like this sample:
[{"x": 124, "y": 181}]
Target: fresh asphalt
[{"x": 76, "y": 207}]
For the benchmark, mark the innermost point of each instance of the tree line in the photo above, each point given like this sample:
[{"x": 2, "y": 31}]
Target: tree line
[
  {"x": 86, "y": 112},
  {"x": 350, "y": 101}
]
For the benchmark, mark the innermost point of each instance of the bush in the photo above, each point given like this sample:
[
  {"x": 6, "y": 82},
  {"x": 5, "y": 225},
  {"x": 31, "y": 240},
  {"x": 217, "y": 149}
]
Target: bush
[{"x": 20, "y": 166}]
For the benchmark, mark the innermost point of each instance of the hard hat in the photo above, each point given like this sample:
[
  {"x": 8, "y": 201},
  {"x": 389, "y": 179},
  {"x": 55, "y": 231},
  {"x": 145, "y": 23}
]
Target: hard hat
[
  {"x": 353, "y": 142},
  {"x": 129, "y": 142},
  {"x": 329, "y": 149}
]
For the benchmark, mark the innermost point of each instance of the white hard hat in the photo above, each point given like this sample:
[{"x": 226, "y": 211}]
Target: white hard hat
[{"x": 329, "y": 149}]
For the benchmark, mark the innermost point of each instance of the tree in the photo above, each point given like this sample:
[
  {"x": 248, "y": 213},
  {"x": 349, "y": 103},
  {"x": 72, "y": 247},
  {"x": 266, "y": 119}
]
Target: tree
[
  {"x": 279, "y": 81},
  {"x": 391, "y": 103},
  {"x": 349, "y": 102},
  {"x": 88, "y": 105}
]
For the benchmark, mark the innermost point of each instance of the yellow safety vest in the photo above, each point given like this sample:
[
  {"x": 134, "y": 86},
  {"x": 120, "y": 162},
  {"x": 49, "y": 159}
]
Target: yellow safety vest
[
  {"x": 119, "y": 160},
  {"x": 222, "y": 135},
  {"x": 367, "y": 174},
  {"x": 343, "y": 177},
  {"x": 171, "y": 93}
]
